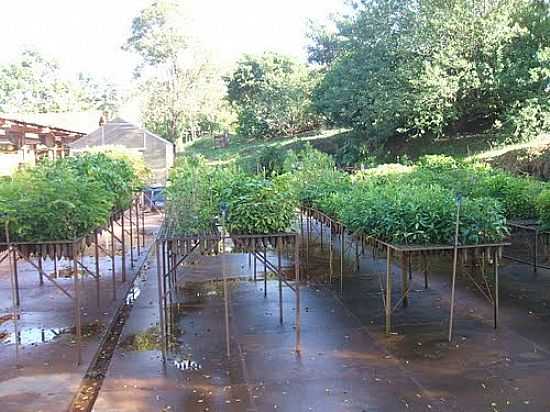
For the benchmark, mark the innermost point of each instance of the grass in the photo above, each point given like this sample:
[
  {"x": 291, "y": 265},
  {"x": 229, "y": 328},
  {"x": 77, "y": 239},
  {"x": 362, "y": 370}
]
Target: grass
[
  {"x": 482, "y": 146},
  {"x": 245, "y": 150}
]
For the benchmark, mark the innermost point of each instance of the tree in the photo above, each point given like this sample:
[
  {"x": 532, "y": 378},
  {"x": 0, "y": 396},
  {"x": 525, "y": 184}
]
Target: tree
[
  {"x": 412, "y": 67},
  {"x": 271, "y": 95},
  {"x": 34, "y": 83},
  {"x": 182, "y": 88}
]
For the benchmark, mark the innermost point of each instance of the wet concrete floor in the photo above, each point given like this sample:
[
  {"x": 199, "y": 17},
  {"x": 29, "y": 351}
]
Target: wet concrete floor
[
  {"x": 346, "y": 363},
  {"x": 40, "y": 374}
]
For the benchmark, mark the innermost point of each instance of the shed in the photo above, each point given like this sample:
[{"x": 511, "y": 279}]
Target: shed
[
  {"x": 158, "y": 153},
  {"x": 23, "y": 143}
]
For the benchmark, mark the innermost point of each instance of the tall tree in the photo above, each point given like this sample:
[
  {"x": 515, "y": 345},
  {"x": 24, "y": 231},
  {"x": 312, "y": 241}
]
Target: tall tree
[{"x": 182, "y": 88}]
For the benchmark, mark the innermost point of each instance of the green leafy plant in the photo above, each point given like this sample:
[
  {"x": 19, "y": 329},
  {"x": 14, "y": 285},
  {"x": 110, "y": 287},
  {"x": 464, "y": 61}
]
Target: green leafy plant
[{"x": 259, "y": 206}]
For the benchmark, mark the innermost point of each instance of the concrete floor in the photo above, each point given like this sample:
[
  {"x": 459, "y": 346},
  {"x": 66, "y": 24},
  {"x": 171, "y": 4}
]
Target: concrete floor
[
  {"x": 44, "y": 375},
  {"x": 346, "y": 363}
]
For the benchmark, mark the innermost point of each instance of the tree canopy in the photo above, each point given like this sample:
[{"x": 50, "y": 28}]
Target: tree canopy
[
  {"x": 271, "y": 95},
  {"x": 35, "y": 83},
  {"x": 436, "y": 67}
]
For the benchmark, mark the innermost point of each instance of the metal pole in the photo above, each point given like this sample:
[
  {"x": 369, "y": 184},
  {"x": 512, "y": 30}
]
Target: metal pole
[
  {"x": 16, "y": 277},
  {"x": 280, "y": 281},
  {"x": 342, "y": 260},
  {"x": 123, "y": 245},
  {"x": 254, "y": 256},
  {"x": 455, "y": 261},
  {"x": 321, "y": 233},
  {"x": 96, "y": 256},
  {"x": 14, "y": 294},
  {"x": 388, "y": 290},
  {"x": 265, "y": 271},
  {"x": 161, "y": 308},
  {"x": 298, "y": 316},
  {"x": 425, "y": 268},
  {"x": 307, "y": 238},
  {"x": 143, "y": 220},
  {"x": 225, "y": 292},
  {"x": 357, "y": 263},
  {"x": 404, "y": 280},
  {"x": 40, "y": 269},
  {"x": 536, "y": 253},
  {"x": 77, "y": 306},
  {"x": 131, "y": 238},
  {"x": 113, "y": 257},
  {"x": 331, "y": 267},
  {"x": 137, "y": 228},
  {"x": 497, "y": 297}
]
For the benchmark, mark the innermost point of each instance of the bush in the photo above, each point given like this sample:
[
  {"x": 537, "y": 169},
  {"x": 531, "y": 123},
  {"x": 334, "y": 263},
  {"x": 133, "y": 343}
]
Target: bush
[
  {"x": 67, "y": 198},
  {"x": 419, "y": 214},
  {"x": 543, "y": 208},
  {"x": 194, "y": 195},
  {"x": 53, "y": 204},
  {"x": 259, "y": 206}
]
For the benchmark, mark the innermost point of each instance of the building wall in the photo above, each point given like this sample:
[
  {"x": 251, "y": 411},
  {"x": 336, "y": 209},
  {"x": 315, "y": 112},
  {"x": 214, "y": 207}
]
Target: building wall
[{"x": 9, "y": 162}]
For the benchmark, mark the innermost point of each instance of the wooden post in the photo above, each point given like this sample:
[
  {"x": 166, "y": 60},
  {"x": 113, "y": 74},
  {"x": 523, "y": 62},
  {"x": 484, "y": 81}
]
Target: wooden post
[{"x": 388, "y": 307}]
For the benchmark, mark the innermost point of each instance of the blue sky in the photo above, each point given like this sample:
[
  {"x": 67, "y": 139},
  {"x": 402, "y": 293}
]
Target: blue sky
[{"x": 85, "y": 35}]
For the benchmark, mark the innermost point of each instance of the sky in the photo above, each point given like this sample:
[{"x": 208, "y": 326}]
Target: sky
[{"x": 86, "y": 35}]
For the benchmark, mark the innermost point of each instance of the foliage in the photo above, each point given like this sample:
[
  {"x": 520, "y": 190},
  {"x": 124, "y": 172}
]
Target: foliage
[
  {"x": 271, "y": 95},
  {"x": 543, "y": 208},
  {"x": 194, "y": 195},
  {"x": 409, "y": 68},
  {"x": 48, "y": 203},
  {"x": 141, "y": 174},
  {"x": 259, "y": 206},
  {"x": 271, "y": 160},
  {"x": 420, "y": 214},
  {"x": 183, "y": 90},
  {"x": 67, "y": 198},
  {"x": 116, "y": 175},
  {"x": 35, "y": 83}
]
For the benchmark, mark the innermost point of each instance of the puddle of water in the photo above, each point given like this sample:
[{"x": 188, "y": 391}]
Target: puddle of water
[
  {"x": 133, "y": 295},
  {"x": 37, "y": 336},
  {"x": 187, "y": 365},
  {"x": 33, "y": 336}
]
